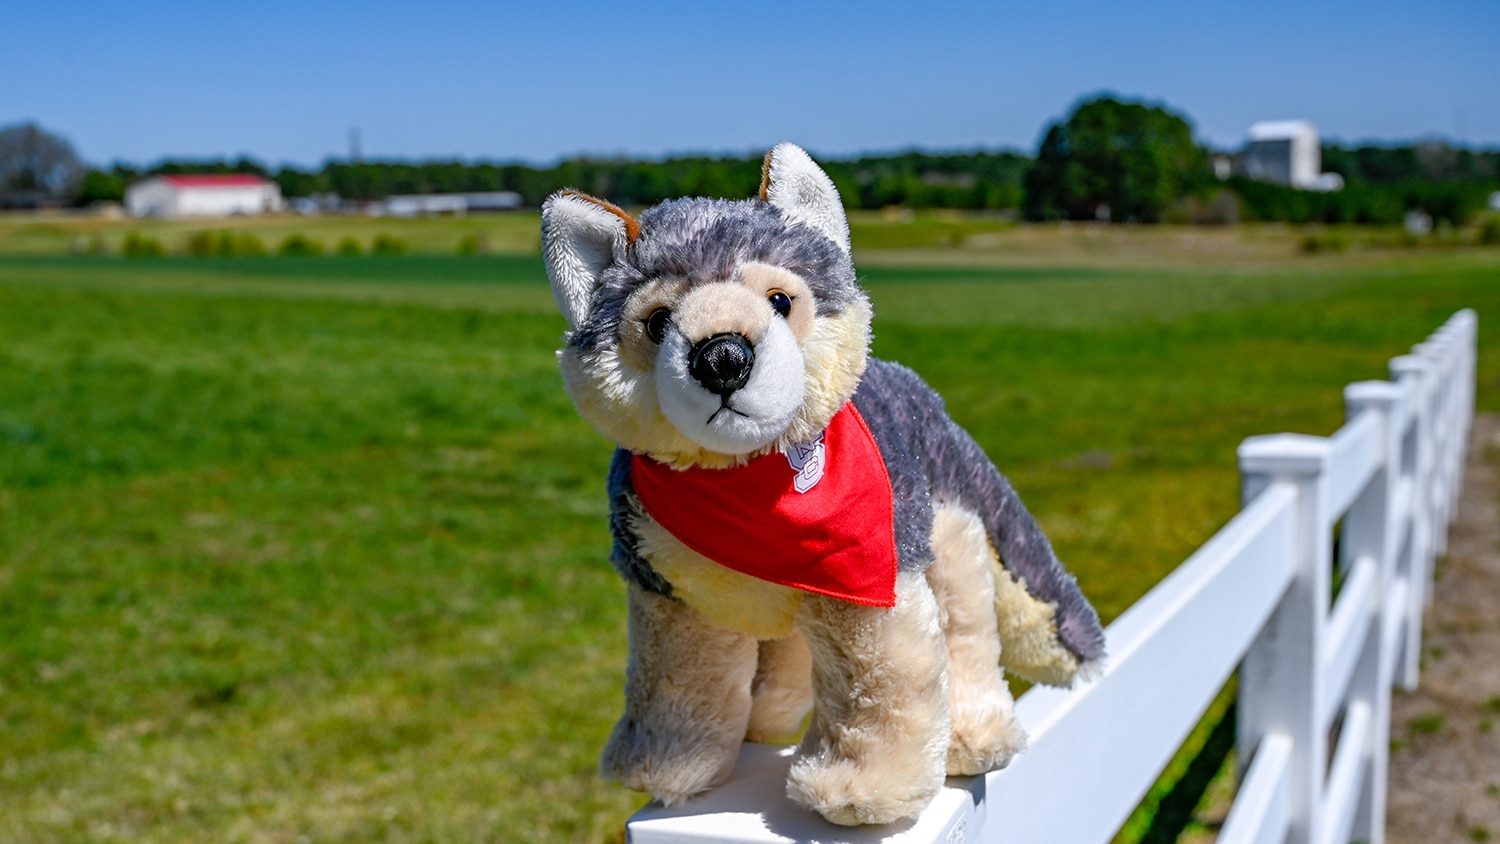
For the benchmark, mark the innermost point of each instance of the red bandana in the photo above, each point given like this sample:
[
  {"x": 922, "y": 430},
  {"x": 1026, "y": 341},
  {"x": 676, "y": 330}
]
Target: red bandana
[{"x": 820, "y": 518}]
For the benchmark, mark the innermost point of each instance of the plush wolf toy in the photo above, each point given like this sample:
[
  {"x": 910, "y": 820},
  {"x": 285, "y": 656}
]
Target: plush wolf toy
[{"x": 799, "y": 526}]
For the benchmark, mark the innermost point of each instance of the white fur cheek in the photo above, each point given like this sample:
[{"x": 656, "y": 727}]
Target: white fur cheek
[
  {"x": 766, "y": 405},
  {"x": 778, "y": 383}
]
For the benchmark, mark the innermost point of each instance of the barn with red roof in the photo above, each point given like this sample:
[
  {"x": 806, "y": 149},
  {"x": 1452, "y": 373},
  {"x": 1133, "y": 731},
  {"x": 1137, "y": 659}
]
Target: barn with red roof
[{"x": 214, "y": 195}]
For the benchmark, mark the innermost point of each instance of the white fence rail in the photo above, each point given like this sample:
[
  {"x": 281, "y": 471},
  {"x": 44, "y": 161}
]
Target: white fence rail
[{"x": 1316, "y": 669}]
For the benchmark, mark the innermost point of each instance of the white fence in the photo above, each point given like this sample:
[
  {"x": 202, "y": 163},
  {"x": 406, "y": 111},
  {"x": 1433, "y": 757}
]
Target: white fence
[{"x": 1316, "y": 669}]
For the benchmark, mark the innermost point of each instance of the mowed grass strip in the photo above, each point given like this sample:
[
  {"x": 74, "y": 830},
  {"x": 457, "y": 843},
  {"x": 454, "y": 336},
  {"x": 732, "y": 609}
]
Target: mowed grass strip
[
  {"x": 503, "y": 283},
  {"x": 61, "y": 234},
  {"x": 291, "y": 551}
]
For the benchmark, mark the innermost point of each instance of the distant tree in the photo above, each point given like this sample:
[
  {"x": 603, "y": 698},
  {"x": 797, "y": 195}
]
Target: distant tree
[
  {"x": 1114, "y": 159},
  {"x": 980, "y": 180},
  {"x": 484, "y": 177},
  {"x": 1377, "y": 165},
  {"x": 244, "y": 164},
  {"x": 1457, "y": 203},
  {"x": 99, "y": 186},
  {"x": 1436, "y": 161},
  {"x": 294, "y": 182},
  {"x": 127, "y": 174},
  {"x": 642, "y": 183},
  {"x": 37, "y": 163},
  {"x": 354, "y": 181},
  {"x": 1429, "y": 160}
]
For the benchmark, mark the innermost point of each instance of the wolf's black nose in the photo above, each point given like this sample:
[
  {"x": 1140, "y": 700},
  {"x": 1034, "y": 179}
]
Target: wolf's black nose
[{"x": 722, "y": 362}]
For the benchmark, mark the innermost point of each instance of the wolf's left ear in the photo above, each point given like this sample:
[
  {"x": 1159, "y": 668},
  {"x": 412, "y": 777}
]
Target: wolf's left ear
[
  {"x": 581, "y": 237},
  {"x": 791, "y": 181}
]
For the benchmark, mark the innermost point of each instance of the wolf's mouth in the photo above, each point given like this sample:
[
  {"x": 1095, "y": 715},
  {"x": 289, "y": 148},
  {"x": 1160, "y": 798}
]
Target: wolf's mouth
[{"x": 723, "y": 406}]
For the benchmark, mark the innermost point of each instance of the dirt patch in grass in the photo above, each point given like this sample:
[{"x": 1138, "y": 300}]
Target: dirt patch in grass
[{"x": 1445, "y": 759}]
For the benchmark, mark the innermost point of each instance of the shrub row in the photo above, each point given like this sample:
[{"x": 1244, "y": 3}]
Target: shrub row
[
  {"x": 227, "y": 244},
  {"x": 1456, "y": 203}
]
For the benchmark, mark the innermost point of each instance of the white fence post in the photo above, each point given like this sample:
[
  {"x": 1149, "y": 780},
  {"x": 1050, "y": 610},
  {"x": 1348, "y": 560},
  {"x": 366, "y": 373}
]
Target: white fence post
[
  {"x": 1372, "y": 531},
  {"x": 1451, "y": 350},
  {"x": 1437, "y": 352},
  {"x": 1413, "y": 374},
  {"x": 1281, "y": 689},
  {"x": 1468, "y": 332}
]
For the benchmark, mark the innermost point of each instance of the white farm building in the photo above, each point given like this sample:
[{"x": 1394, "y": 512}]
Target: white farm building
[
  {"x": 202, "y": 196},
  {"x": 1288, "y": 152}
]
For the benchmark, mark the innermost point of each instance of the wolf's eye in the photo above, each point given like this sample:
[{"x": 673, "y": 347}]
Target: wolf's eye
[
  {"x": 656, "y": 324},
  {"x": 780, "y": 302}
]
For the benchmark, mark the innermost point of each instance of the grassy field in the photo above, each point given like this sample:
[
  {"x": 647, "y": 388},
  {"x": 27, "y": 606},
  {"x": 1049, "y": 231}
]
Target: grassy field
[{"x": 314, "y": 548}]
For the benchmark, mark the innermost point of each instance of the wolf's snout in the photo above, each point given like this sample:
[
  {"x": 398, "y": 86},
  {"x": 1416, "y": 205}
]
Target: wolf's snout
[{"x": 722, "y": 363}]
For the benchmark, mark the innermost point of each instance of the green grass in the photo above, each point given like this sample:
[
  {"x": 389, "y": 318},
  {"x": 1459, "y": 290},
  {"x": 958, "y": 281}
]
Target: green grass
[
  {"x": 315, "y": 547},
  {"x": 1428, "y": 725}
]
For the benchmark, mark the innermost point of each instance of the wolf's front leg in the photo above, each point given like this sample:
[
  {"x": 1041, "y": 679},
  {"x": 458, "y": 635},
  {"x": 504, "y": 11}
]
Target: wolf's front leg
[
  {"x": 687, "y": 701},
  {"x": 876, "y": 748},
  {"x": 782, "y": 691}
]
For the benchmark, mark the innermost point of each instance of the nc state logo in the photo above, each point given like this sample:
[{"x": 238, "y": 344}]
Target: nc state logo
[{"x": 806, "y": 460}]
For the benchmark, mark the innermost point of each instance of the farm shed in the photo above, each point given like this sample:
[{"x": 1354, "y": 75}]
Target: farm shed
[{"x": 202, "y": 196}]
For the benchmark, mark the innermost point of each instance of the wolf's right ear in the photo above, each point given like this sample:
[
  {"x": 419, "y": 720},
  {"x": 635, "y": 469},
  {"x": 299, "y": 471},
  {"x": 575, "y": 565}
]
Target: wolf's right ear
[{"x": 581, "y": 237}]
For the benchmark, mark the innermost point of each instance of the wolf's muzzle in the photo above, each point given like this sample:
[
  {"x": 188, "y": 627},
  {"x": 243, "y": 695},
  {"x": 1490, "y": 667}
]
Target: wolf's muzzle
[{"x": 722, "y": 363}]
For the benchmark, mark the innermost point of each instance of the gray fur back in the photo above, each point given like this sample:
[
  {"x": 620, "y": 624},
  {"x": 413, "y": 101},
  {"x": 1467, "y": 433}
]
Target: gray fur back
[{"x": 932, "y": 461}]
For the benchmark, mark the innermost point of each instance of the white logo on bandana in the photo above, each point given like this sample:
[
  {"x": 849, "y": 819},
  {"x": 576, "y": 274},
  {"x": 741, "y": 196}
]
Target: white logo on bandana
[{"x": 806, "y": 460}]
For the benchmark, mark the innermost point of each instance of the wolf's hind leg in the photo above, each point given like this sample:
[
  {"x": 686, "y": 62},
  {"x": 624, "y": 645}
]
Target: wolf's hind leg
[
  {"x": 985, "y": 731},
  {"x": 687, "y": 701},
  {"x": 781, "y": 693}
]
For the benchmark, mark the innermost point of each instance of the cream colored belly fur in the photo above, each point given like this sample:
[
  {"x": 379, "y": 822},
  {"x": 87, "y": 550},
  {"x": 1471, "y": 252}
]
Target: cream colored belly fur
[
  {"x": 727, "y": 598},
  {"x": 722, "y": 596}
]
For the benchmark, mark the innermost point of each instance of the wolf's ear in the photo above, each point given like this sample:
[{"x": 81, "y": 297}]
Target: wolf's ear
[
  {"x": 791, "y": 181},
  {"x": 581, "y": 236}
]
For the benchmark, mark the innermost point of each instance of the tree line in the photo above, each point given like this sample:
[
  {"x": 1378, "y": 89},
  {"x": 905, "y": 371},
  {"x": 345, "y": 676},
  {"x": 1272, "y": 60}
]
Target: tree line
[
  {"x": 979, "y": 180},
  {"x": 1108, "y": 159}
]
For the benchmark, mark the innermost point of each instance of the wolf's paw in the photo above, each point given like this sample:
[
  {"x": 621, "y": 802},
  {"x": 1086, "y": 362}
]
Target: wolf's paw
[
  {"x": 851, "y": 794},
  {"x": 666, "y": 764},
  {"x": 985, "y": 738}
]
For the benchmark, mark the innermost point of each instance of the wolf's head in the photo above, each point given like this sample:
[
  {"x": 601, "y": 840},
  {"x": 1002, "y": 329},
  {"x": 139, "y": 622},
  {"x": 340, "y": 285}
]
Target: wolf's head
[{"x": 710, "y": 331}]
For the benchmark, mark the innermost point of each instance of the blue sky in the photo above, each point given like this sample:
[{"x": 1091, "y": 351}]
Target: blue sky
[{"x": 286, "y": 82}]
